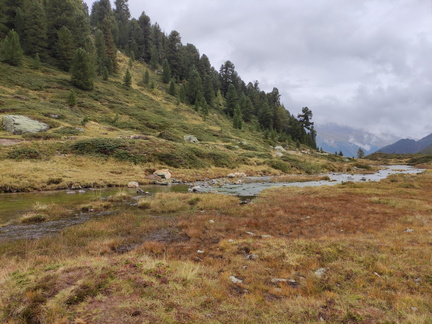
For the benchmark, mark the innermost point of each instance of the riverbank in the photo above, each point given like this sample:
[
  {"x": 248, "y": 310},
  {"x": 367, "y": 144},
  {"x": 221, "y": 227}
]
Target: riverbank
[{"x": 357, "y": 252}]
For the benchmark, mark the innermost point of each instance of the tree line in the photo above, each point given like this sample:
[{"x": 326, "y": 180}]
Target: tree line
[{"x": 66, "y": 34}]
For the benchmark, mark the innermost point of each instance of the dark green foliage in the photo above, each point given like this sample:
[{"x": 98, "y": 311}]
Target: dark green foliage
[
  {"x": 11, "y": 51},
  {"x": 24, "y": 153},
  {"x": 167, "y": 135},
  {"x": 65, "y": 48},
  {"x": 173, "y": 53},
  {"x": 81, "y": 71},
  {"x": 279, "y": 165},
  {"x": 166, "y": 72},
  {"x": 172, "y": 88},
  {"x": 146, "y": 79},
  {"x": 98, "y": 146},
  {"x": 36, "y": 64},
  {"x": 101, "y": 53},
  {"x": 237, "y": 120},
  {"x": 34, "y": 28},
  {"x": 193, "y": 88},
  {"x": 231, "y": 100},
  {"x": 127, "y": 79},
  {"x": 360, "y": 153},
  {"x": 72, "y": 99},
  {"x": 67, "y": 131}
]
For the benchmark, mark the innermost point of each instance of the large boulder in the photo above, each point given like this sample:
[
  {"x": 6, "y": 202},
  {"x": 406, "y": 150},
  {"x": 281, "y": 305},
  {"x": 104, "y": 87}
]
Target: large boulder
[
  {"x": 17, "y": 124},
  {"x": 164, "y": 174},
  {"x": 190, "y": 139}
]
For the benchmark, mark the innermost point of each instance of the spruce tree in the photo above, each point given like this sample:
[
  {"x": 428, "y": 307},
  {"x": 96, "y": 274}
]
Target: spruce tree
[
  {"x": 146, "y": 77},
  {"x": 101, "y": 53},
  {"x": 237, "y": 120},
  {"x": 194, "y": 86},
  {"x": 65, "y": 48},
  {"x": 172, "y": 88},
  {"x": 231, "y": 100},
  {"x": 82, "y": 72},
  {"x": 127, "y": 79},
  {"x": 72, "y": 100},
  {"x": 166, "y": 72},
  {"x": 11, "y": 51},
  {"x": 34, "y": 28},
  {"x": 36, "y": 64}
]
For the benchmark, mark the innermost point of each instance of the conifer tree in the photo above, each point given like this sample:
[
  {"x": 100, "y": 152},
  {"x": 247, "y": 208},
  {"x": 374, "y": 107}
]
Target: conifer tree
[
  {"x": 33, "y": 28},
  {"x": 237, "y": 120},
  {"x": 11, "y": 51},
  {"x": 127, "y": 79},
  {"x": 166, "y": 72},
  {"x": 172, "y": 88},
  {"x": 65, "y": 48},
  {"x": 72, "y": 100},
  {"x": 194, "y": 86},
  {"x": 182, "y": 94},
  {"x": 231, "y": 100},
  {"x": 36, "y": 64},
  {"x": 146, "y": 77},
  {"x": 82, "y": 72}
]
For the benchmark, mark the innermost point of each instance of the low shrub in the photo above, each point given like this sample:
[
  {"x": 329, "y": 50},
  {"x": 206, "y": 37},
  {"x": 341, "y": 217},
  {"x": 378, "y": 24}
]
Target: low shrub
[
  {"x": 24, "y": 153},
  {"x": 279, "y": 165}
]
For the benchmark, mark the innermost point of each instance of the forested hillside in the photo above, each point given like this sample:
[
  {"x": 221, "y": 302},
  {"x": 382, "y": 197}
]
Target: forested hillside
[{"x": 68, "y": 35}]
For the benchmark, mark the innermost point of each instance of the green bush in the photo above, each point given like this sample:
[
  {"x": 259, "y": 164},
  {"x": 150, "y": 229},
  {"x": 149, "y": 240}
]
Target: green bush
[
  {"x": 279, "y": 165},
  {"x": 67, "y": 131},
  {"x": 24, "y": 153},
  {"x": 98, "y": 146},
  {"x": 42, "y": 136}
]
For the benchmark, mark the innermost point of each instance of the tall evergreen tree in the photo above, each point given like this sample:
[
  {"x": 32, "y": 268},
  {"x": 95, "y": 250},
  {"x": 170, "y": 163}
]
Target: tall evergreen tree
[
  {"x": 11, "y": 51},
  {"x": 82, "y": 72},
  {"x": 172, "y": 88},
  {"x": 228, "y": 75},
  {"x": 147, "y": 44},
  {"x": 231, "y": 100},
  {"x": 34, "y": 28},
  {"x": 173, "y": 53},
  {"x": 237, "y": 119},
  {"x": 101, "y": 52},
  {"x": 166, "y": 72},
  {"x": 127, "y": 79},
  {"x": 65, "y": 48},
  {"x": 122, "y": 16},
  {"x": 193, "y": 88}
]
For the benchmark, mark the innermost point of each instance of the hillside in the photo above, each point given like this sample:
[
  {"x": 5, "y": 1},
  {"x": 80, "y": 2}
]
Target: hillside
[
  {"x": 409, "y": 146},
  {"x": 139, "y": 130}
]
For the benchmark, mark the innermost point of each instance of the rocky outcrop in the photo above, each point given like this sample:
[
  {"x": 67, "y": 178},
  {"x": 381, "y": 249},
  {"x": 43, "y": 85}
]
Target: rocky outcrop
[
  {"x": 133, "y": 185},
  {"x": 17, "y": 124},
  {"x": 237, "y": 175}
]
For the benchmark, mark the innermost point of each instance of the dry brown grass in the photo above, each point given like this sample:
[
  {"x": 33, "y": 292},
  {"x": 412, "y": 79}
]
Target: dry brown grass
[{"x": 172, "y": 262}]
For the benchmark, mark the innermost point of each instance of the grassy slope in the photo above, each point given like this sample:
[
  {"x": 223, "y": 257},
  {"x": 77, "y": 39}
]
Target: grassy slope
[{"x": 116, "y": 112}]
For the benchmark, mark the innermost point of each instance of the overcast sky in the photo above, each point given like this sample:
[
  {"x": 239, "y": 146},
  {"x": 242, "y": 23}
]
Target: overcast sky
[{"x": 360, "y": 63}]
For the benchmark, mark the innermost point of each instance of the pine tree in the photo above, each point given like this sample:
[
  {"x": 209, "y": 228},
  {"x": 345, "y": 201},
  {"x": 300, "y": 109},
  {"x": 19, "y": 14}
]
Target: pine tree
[
  {"x": 72, "y": 100},
  {"x": 166, "y": 72},
  {"x": 82, "y": 72},
  {"x": 34, "y": 28},
  {"x": 360, "y": 153},
  {"x": 182, "y": 94},
  {"x": 146, "y": 77},
  {"x": 11, "y": 51},
  {"x": 36, "y": 64},
  {"x": 231, "y": 100},
  {"x": 237, "y": 120},
  {"x": 127, "y": 79},
  {"x": 65, "y": 48},
  {"x": 194, "y": 86},
  {"x": 172, "y": 88}
]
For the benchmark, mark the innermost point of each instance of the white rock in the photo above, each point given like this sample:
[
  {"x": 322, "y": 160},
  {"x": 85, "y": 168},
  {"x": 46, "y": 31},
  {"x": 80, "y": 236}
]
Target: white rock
[
  {"x": 409, "y": 230},
  {"x": 235, "y": 280},
  {"x": 211, "y": 221},
  {"x": 200, "y": 251},
  {"x": 133, "y": 184},
  {"x": 320, "y": 272},
  {"x": 163, "y": 173}
]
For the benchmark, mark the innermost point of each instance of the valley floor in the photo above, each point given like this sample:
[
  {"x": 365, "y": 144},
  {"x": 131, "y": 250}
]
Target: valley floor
[{"x": 353, "y": 253}]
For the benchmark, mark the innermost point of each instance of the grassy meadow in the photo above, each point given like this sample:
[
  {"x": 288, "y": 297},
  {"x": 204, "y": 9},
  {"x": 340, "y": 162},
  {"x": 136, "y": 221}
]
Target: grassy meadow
[{"x": 354, "y": 253}]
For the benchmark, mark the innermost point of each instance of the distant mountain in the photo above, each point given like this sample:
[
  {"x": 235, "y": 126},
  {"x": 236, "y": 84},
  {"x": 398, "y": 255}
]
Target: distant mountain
[
  {"x": 409, "y": 146},
  {"x": 335, "y": 138}
]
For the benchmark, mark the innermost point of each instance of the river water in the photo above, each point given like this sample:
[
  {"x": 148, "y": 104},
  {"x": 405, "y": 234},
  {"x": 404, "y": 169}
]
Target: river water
[{"x": 14, "y": 206}]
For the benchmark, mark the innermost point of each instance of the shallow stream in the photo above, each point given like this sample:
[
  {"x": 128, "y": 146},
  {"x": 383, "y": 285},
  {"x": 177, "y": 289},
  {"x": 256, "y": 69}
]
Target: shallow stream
[{"x": 14, "y": 206}]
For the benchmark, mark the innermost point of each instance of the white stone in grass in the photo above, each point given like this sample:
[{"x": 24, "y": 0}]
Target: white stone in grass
[{"x": 235, "y": 280}]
